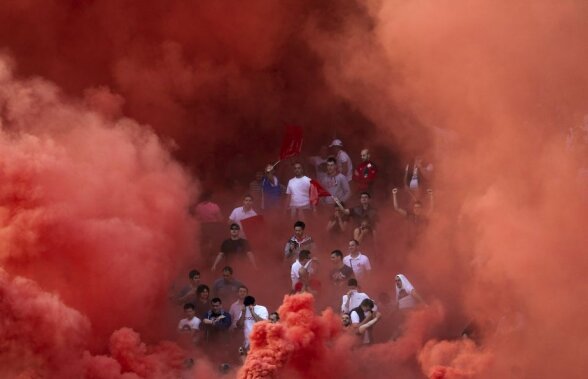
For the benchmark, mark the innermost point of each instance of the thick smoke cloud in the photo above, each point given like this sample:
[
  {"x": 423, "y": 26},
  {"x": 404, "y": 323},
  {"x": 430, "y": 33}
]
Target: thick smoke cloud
[{"x": 94, "y": 204}]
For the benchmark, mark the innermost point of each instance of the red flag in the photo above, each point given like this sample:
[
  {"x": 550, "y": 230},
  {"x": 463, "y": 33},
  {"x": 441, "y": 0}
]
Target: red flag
[
  {"x": 292, "y": 143},
  {"x": 316, "y": 191}
]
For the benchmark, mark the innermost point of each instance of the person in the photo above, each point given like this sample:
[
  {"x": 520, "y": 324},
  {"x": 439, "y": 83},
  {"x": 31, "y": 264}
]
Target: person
[
  {"x": 319, "y": 162},
  {"x": 250, "y": 314},
  {"x": 366, "y": 236},
  {"x": 406, "y": 296},
  {"x": 237, "y": 306},
  {"x": 271, "y": 190},
  {"x": 417, "y": 220},
  {"x": 417, "y": 174},
  {"x": 216, "y": 322},
  {"x": 304, "y": 261},
  {"x": 190, "y": 325},
  {"x": 206, "y": 211},
  {"x": 226, "y": 287},
  {"x": 359, "y": 263},
  {"x": 212, "y": 224},
  {"x": 188, "y": 293},
  {"x": 363, "y": 319},
  {"x": 202, "y": 299},
  {"x": 343, "y": 160},
  {"x": 274, "y": 317},
  {"x": 353, "y": 298},
  {"x": 335, "y": 183},
  {"x": 233, "y": 248},
  {"x": 365, "y": 173},
  {"x": 364, "y": 211},
  {"x": 298, "y": 193},
  {"x": 345, "y": 321},
  {"x": 241, "y": 213},
  {"x": 299, "y": 241},
  {"x": 341, "y": 273},
  {"x": 337, "y": 224}
]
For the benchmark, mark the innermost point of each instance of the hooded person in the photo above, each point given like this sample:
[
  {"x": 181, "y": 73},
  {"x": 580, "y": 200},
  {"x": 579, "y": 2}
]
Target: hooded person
[{"x": 406, "y": 296}]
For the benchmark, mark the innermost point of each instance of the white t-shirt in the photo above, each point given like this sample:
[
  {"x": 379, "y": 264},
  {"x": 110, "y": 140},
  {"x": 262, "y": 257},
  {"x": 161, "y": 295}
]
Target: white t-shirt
[
  {"x": 193, "y": 324},
  {"x": 343, "y": 157},
  {"x": 360, "y": 265},
  {"x": 295, "y": 271},
  {"x": 356, "y": 299},
  {"x": 299, "y": 190},
  {"x": 262, "y": 312},
  {"x": 239, "y": 214}
]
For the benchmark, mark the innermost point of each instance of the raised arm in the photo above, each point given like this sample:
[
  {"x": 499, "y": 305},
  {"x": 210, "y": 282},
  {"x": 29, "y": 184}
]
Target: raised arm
[
  {"x": 431, "y": 203},
  {"x": 395, "y": 200}
]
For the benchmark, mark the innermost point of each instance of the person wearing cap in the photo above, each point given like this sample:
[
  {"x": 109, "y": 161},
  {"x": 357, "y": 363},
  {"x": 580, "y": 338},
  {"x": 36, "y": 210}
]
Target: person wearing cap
[
  {"x": 343, "y": 160},
  {"x": 234, "y": 247}
]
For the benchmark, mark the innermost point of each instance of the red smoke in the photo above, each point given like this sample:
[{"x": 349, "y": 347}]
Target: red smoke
[{"x": 93, "y": 204}]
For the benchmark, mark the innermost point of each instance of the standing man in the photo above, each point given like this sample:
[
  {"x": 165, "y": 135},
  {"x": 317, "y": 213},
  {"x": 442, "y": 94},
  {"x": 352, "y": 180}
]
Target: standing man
[
  {"x": 364, "y": 211},
  {"x": 365, "y": 173},
  {"x": 341, "y": 273},
  {"x": 243, "y": 212},
  {"x": 234, "y": 248},
  {"x": 353, "y": 298},
  {"x": 250, "y": 314},
  {"x": 216, "y": 322},
  {"x": 359, "y": 263},
  {"x": 226, "y": 287},
  {"x": 237, "y": 306},
  {"x": 304, "y": 262},
  {"x": 343, "y": 160},
  {"x": 335, "y": 183},
  {"x": 298, "y": 193},
  {"x": 298, "y": 242}
]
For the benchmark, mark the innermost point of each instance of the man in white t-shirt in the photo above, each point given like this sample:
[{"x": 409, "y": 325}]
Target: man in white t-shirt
[
  {"x": 190, "y": 325},
  {"x": 250, "y": 314},
  {"x": 343, "y": 160},
  {"x": 241, "y": 213},
  {"x": 359, "y": 263},
  {"x": 353, "y": 298},
  {"x": 304, "y": 261},
  {"x": 298, "y": 193}
]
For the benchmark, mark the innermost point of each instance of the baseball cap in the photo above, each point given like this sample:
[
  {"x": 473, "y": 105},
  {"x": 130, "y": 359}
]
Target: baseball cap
[{"x": 336, "y": 142}]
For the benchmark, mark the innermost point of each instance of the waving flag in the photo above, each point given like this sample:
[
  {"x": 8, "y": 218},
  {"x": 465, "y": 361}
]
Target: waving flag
[
  {"x": 292, "y": 143},
  {"x": 316, "y": 191}
]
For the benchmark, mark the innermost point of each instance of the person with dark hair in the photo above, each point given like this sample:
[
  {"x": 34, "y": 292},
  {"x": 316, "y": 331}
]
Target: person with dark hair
[
  {"x": 216, "y": 322},
  {"x": 353, "y": 298},
  {"x": 274, "y": 317},
  {"x": 363, "y": 319},
  {"x": 237, "y": 306},
  {"x": 345, "y": 321},
  {"x": 364, "y": 211},
  {"x": 250, "y": 314},
  {"x": 304, "y": 261},
  {"x": 337, "y": 224},
  {"x": 298, "y": 193},
  {"x": 299, "y": 241},
  {"x": 202, "y": 299},
  {"x": 366, "y": 236},
  {"x": 188, "y": 293},
  {"x": 359, "y": 263},
  {"x": 335, "y": 183},
  {"x": 190, "y": 325},
  {"x": 226, "y": 287},
  {"x": 416, "y": 218},
  {"x": 341, "y": 273},
  {"x": 234, "y": 248},
  {"x": 241, "y": 213}
]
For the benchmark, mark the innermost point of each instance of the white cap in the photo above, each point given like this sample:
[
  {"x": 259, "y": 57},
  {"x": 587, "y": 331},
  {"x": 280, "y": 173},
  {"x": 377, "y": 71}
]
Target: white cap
[{"x": 336, "y": 142}]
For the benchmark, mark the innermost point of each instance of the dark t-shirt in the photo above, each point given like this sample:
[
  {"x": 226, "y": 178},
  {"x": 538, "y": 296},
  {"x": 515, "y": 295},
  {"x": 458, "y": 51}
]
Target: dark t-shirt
[
  {"x": 341, "y": 275},
  {"x": 238, "y": 247},
  {"x": 359, "y": 214}
]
